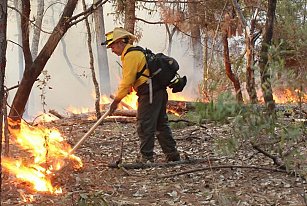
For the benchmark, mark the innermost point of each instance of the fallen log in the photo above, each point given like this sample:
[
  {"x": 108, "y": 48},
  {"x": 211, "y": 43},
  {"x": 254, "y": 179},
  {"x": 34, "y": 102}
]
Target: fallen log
[
  {"x": 120, "y": 119},
  {"x": 137, "y": 165},
  {"x": 55, "y": 113},
  {"x": 183, "y": 104},
  {"x": 180, "y": 106},
  {"x": 123, "y": 112}
]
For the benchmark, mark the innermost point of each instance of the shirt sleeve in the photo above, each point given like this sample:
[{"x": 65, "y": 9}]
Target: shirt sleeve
[{"x": 131, "y": 64}]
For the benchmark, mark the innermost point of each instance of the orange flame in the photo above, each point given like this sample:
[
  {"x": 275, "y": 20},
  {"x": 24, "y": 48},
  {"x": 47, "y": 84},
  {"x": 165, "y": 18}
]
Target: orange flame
[
  {"x": 75, "y": 110},
  {"x": 289, "y": 96},
  {"x": 47, "y": 150},
  {"x": 131, "y": 100},
  {"x": 104, "y": 99},
  {"x": 174, "y": 112}
]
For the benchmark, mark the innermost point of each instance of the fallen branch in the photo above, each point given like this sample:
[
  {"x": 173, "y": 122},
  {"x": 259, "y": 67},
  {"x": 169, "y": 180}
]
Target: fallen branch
[
  {"x": 55, "y": 113},
  {"x": 127, "y": 113},
  {"x": 221, "y": 167},
  {"x": 277, "y": 161},
  {"x": 120, "y": 119},
  {"x": 137, "y": 165}
]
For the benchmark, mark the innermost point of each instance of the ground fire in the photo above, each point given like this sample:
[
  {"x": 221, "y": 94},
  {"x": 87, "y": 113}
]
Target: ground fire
[{"x": 43, "y": 151}]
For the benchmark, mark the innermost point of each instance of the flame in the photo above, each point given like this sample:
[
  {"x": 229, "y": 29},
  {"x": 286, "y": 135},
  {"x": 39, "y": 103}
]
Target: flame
[
  {"x": 75, "y": 110},
  {"x": 174, "y": 112},
  {"x": 289, "y": 96},
  {"x": 29, "y": 173},
  {"x": 104, "y": 99},
  {"x": 46, "y": 152},
  {"x": 131, "y": 100}
]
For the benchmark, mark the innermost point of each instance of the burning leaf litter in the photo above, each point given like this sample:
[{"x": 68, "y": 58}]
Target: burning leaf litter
[{"x": 45, "y": 150}]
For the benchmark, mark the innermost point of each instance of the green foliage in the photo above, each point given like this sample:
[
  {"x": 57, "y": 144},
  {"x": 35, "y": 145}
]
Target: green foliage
[
  {"x": 225, "y": 106},
  {"x": 251, "y": 123}
]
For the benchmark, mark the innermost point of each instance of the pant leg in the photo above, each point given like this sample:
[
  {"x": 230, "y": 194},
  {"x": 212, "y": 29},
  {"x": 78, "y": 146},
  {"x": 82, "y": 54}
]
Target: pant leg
[
  {"x": 147, "y": 117},
  {"x": 164, "y": 133}
]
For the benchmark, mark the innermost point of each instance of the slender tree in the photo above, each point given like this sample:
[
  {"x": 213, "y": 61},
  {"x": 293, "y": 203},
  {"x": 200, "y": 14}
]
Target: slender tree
[
  {"x": 37, "y": 28},
  {"x": 249, "y": 45},
  {"x": 234, "y": 79},
  {"x": 17, "y": 5},
  {"x": 263, "y": 62},
  {"x": 102, "y": 58},
  {"x": 90, "y": 51},
  {"x": 195, "y": 35},
  {"x": 3, "y": 45}
]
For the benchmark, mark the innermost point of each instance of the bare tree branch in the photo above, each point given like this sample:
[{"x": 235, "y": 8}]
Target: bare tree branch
[
  {"x": 83, "y": 15},
  {"x": 31, "y": 21},
  {"x": 148, "y": 22},
  {"x": 15, "y": 43}
]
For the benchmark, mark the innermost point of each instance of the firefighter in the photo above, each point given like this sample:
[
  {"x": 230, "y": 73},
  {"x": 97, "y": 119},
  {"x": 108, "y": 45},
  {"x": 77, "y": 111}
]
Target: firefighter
[{"x": 152, "y": 119}]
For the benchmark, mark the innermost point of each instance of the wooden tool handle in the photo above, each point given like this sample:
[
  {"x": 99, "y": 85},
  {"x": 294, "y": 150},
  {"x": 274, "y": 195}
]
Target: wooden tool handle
[{"x": 89, "y": 132}]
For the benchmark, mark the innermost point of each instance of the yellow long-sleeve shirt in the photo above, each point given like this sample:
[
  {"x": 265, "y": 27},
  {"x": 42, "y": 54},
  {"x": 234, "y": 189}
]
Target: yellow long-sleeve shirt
[{"x": 132, "y": 63}]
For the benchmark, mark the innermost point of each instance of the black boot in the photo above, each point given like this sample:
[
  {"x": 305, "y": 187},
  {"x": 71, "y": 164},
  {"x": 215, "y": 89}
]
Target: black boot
[{"x": 172, "y": 157}]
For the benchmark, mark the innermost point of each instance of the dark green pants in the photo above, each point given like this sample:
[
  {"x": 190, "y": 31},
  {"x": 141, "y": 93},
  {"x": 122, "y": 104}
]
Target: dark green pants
[{"x": 152, "y": 121}]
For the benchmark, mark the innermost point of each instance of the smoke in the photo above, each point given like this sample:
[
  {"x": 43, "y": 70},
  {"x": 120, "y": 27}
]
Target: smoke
[{"x": 71, "y": 82}]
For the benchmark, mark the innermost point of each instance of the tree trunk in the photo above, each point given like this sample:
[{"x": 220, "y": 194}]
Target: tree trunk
[
  {"x": 3, "y": 46},
  {"x": 90, "y": 50},
  {"x": 34, "y": 47},
  {"x": 103, "y": 65},
  {"x": 17, "y": 4},
  {"x": 34, "y": 69},
  {"x": 250, "y": 73},
  {"x": 170, "y": 34},
  {"x": 249, "y": 44},
  {"x": 263, "y": 62},
  {"x": 195, "y": 35},
  {"x": 37, "y": 28},
  {"x": 204, "y": 92},
  {"x": 130, "y": 15},
  {"x": 229, "y": 72}
]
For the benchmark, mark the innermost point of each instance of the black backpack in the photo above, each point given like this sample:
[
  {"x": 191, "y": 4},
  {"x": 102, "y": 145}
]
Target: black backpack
[{"x": 162, "y": 69}]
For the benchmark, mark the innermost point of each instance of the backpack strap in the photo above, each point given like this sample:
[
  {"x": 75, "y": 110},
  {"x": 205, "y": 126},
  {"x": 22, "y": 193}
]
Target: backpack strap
[{"x": 140, "y": 73}]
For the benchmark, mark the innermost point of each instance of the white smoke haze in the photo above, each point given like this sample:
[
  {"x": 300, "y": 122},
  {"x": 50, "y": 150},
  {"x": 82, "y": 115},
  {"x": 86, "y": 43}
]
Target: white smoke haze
[{"x": 71, "y": 82}]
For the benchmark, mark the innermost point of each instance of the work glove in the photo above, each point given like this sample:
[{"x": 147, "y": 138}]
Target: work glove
[{"x": 114, "y": 106}]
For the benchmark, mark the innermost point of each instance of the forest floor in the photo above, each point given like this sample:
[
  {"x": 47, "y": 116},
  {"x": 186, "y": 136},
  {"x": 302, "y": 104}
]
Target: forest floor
[{"x": 246, "y": 177}]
